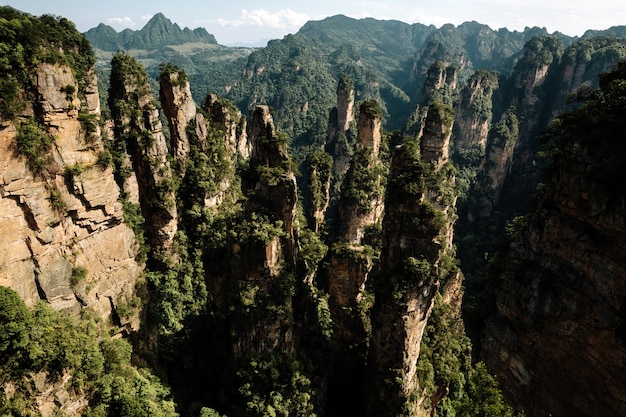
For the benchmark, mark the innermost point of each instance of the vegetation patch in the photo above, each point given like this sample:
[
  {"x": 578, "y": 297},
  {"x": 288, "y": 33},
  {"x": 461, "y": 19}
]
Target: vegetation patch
[{"x": 34, "y": 143}]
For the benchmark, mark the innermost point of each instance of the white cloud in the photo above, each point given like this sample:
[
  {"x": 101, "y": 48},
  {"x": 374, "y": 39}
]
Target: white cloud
[
  {"x": 426, "y": 18},
  {"x": 147, "y": 17},
  {"x": 121, "y": 21},
  {"x": 282, "y": 19}
]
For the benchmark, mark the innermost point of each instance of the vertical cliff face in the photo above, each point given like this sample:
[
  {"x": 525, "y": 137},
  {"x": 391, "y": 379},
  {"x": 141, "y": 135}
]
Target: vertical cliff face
[
  {"x": 345, "y": 104},
  {"x": 179, "y": 108},
  {"x": 360, "y": 208},
  {"x": 262, "y": 256},
  {"x": 495, "y": 167},
  {"x": 64, "y": 240},
  {"x": 338, "y": 143},
  {"x": 560, "y": 306},
  {"x": 440, "y": 86},
  {"x": 474, "y": 111},
  {"x": 319, "y": 166},
  {"x": 136, "y": 118},
  {"x": 416, "y": 231},
  {"x": 230, "y": 120}
]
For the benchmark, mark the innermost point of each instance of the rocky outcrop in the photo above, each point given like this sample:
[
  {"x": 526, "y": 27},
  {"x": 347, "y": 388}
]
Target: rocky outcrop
[
  {"x": 64, "y": 239},
  {"x": 507, "y": 174},
  {"x": 179, "y": 108},
  {"x": 338, "y": 143},
  {"x": 229, "y": 119},
  {"x": 416, "y": 232},
  {"x": 360, "y": 207},
  {"x": 440, "y": 74},
  {"x": 560, "y": 306},
  {"x": 345, "y": 104},
  {"x": 319, "y": 167},
  {"x": 440, "y": 86},
  {"x": 474, "y": 111},
  {"x": 495, "y": 167},
  {"x": 262, "y": 261},
  {"x": 275, "y": 186},
  {"x": 136, "y": 119}
]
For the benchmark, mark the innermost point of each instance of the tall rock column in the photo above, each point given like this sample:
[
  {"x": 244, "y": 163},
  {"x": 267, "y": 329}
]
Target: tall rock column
[
  {"x": 351, "y": 259},
  {"x": 416, "y": 232},
  {"x": 360, "y": 207},
  {"x": 262, "y": 254},
  {"x": 474, "y": 111},
  {"x": 178, "y": 107},
  {"x": 136, "y": 118},
  {"x": 339, "y": 126},
  {"x": 228, "y": 118}
]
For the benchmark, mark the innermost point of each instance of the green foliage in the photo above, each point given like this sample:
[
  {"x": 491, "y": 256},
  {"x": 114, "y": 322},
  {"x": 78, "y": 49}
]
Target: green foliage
[
  {"x": 319, "y": 172},
  {"x": 135, "y": 220},
  {"x": 89, "y": 122},
  {"x": 256, "y": 227},
  {"x": 45, "y": 341},
  {"x": 79, "y": 273},
  {"x": 35, "y": 143},
  {"x": 56, "y": 200},
  {"x": 209, "y": 412},
  {"x": 72, "y": 171},
  {"x": 410, "y": 181},
  {"x": 168, "y": 68},
  {"x": 207, "y": 167},
  {"x": 517, "y": 226},
  {"x": 273, "y": 384},
  {"x": 363, "y": 181},
  {"x": 365, "y": 253},
  {"x": 126, "y": 70},
  {"x": 15, "y": 323},
  {"x": 75, "y": 170},
  {"x": 105, "y": 159},
  {"x": 419, "y": 268},
  {"x": 372, "y": 109},
  {"x": 346, "y": 83},
  {"x": 312, "y": 249},
  {"x": 598, "y": 127},
  {"x": 25, "y": 42},
  {"x": 179, "y": 292},
  {"x": 539, "y": 51},
  {"x": 445, "y": 365}
]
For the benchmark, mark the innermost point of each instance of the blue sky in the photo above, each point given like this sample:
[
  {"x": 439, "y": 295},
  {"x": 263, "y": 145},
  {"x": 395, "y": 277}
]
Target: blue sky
[{"x": 234, "y": 21}]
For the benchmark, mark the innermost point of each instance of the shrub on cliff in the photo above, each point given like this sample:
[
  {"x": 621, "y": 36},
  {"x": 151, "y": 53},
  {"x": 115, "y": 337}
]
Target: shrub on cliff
[{"x": 44, "y": 341}]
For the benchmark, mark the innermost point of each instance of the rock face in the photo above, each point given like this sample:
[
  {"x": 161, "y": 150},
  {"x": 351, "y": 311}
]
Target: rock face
[
  {"x": 338, "y": 127},
  {"x": 136, "y": 118},
  {"x": 360, "y": 207},
  {"x": 179, "y": 108},
  {"x": 319, "y": 175},
  {"x": 345, "y": 104},
  {"x": 560, "y": 304},
  {"x": 229, "y": 119},
  {"x": 64, "y": 239},
  {"x": 261, "y": 266},
  {"x": 495, "y": 167},
  {"x": 416, "y": 231},
  {"x": 474, "y": 111}
]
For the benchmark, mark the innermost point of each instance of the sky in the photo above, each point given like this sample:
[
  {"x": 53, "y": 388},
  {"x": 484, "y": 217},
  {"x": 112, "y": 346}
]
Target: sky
[{"x": 235, "y": 22}]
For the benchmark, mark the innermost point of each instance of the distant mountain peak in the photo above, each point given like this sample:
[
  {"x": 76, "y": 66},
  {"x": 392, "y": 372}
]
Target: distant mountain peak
[
  {"x": 158, "y": 19},
  {"x": 158, "y": 32}
]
